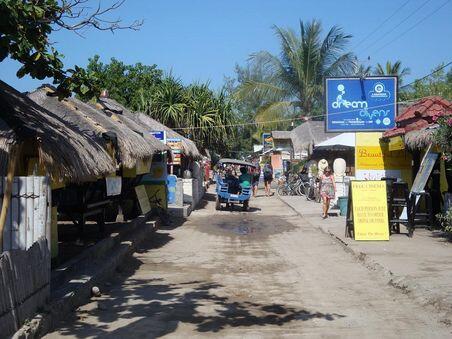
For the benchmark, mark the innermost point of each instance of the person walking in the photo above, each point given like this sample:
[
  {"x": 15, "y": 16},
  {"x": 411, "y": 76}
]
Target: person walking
[
  {"x": 327, "y": 190},
  {"x": 256, "y": 177},
  {"x": 268, "y": 178}
]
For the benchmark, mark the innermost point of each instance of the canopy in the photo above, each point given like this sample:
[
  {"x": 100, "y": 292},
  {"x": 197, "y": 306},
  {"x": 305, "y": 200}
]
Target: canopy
[
  {"x": 343, "y": 141},
  {"x": 235, "y": 162}
]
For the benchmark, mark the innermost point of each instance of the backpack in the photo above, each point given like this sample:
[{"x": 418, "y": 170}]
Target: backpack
[{"x": 268, "y": 171}]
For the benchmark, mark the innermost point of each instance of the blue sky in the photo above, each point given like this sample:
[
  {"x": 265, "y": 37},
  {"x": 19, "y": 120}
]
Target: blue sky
[{"x": 203, "y": 40}]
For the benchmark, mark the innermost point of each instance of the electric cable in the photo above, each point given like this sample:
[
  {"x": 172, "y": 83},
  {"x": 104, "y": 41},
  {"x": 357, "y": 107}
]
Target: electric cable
[
  {"x": 428, "y": 75},
  {"x": 398, "y": 25},
  {"x": 413, "y": 26},
  {"x": 381, "y": 24}
]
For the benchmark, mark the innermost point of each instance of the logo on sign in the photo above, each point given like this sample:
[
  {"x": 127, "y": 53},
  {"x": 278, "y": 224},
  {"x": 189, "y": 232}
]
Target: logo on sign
[
  {"x": 340, "y": 101},
  {"x": 379, "y": 92}
]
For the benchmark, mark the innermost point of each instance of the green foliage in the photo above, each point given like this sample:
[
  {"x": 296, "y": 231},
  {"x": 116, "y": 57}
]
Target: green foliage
[
  {"x": 393, "y": 69},
  {"x": 445, "y": 220},
  {"x": 439, "y": 83},
  {"x": 25, "y": 29},
  {"x": 195, "y": 110},
  {"x": 294, "y": 81},
  {"x": 442, "y": 136},
  {"x": 128, "y": 84}
]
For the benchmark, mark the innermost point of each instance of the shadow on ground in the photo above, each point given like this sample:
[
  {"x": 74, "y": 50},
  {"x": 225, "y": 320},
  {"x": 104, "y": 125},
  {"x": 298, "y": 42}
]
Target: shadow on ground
[
  {"x": 152, "y": 308},
  {"x": 134, "y": 307}
]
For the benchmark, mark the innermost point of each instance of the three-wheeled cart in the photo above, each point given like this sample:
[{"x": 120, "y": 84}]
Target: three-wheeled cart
[{"x": 225, "y": 192}]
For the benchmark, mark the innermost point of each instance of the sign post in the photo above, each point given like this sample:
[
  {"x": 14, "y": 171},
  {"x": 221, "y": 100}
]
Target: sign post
[
  {"x": 367, "y": 213},
  {"x": 360, "y": 104}
]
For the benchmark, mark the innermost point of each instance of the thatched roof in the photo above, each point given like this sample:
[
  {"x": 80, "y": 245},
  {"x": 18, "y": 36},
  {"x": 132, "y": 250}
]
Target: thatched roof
[
  {"x": 420, "y": 139},
  {"x": 281, "y": 135},
  {"x": 118, "y": 113},
  {"x": 309, "y": 134},
  {"x": 148, "y": 124},
  {"x": 93, "y": 123},
  {"x": 63, "y": 151}
]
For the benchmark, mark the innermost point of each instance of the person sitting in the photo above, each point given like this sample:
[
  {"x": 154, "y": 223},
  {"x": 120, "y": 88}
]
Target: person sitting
[
  {"x": 245, "y": 179},
  {"x": 232, "y": 181}
]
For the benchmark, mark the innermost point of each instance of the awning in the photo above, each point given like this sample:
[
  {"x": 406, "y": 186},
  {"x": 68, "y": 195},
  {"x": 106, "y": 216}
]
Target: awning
[{"x": 343, "y": 141}]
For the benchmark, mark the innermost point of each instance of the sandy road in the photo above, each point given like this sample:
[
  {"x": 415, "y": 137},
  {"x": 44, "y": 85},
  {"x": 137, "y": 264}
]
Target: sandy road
[{"x": 263, "y": 273}]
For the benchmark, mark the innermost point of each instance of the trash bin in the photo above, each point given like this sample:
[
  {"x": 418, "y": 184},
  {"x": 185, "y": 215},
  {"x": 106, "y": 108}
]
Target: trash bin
[{"x": 342, "y": 202}]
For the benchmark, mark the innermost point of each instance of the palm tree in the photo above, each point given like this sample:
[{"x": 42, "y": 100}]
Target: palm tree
[
  {"x": 393, "y": 69},
  {"x": 294, "y": 80},
  {"x": 166, "y": 102}
]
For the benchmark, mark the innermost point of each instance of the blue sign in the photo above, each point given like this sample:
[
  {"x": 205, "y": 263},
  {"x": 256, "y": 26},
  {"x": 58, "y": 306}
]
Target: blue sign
[
  {"x": 160, "y": 135},
  {"x": 356, "y": 104}
]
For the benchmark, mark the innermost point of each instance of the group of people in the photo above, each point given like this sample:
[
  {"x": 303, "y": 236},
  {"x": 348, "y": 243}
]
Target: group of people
[{"x": 249, "y": 179}]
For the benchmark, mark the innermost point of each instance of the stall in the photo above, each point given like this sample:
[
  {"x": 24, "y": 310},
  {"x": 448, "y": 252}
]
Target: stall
[{"x": 36, "y": 142}]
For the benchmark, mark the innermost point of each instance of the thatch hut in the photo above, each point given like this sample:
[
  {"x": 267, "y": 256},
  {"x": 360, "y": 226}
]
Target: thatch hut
[
  {"x": 60, "y": 149},
  {"x": 147, "y": 124},
  {"x": 309, "y": 134},
  {"x": 132, "y": 145}
]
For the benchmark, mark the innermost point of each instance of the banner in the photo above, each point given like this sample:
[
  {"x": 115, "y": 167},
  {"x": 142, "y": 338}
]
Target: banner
[
  {"x": 159, "y": 135},
  {"x": 176, "y": 148},
  {"x": 360, "y": 104},
  {"x": 267, "y": 141},
  {"x": 370, "y": 210}
]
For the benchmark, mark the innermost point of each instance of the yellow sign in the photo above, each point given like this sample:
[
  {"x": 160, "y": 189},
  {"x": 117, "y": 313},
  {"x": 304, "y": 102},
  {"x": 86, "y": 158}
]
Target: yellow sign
[
  {"x": 396, "y": 144},
  {"x": 370, "y": 210},
  {"x": 371, "y": 154}
]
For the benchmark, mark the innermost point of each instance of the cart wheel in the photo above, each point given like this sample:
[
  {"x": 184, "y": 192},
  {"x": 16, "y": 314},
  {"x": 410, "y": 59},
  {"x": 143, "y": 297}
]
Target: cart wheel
[
  {"x": 246, "y": 205},
  {"x": 218, "y": 204}
]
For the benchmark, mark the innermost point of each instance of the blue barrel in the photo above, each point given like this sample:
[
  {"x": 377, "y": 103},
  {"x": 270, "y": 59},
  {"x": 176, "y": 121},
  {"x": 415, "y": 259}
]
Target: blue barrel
[
  {"x": 342, "y": 202},
  {"x": 171, "y": 182}
]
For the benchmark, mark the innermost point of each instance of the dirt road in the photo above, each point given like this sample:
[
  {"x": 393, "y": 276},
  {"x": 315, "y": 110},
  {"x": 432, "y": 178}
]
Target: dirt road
[{"x": 263, "y": 273}]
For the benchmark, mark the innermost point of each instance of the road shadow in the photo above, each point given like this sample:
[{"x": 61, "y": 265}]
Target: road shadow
[{"x": 152, "y": 308}]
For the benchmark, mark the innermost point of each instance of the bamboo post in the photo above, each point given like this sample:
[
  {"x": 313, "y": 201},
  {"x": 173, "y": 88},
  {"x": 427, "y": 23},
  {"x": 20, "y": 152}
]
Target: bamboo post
[{"x": 8, "y": 190}]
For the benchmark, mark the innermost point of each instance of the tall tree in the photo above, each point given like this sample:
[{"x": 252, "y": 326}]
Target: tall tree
[
  {"x": 438, "y": 83},
  {"x": 25, "y": 36},
  {"x": 125, "y": 83},
  {"x": 295, "y": 81},
  {"x": 393, "y": 69}
]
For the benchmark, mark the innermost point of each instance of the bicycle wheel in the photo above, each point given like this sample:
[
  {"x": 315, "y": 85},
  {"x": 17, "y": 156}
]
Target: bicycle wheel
[
  {"x": 309, "y": 192},
  {"x": 301, "y": 190},
  {"x": 281, "y": 191}
]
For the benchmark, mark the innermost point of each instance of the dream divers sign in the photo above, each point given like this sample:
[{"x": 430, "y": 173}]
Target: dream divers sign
[{"x": 360, "y": 104}]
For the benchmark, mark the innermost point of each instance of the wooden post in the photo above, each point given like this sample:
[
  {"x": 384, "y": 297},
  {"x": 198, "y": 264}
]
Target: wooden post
[{"x": 8, "y": 190}]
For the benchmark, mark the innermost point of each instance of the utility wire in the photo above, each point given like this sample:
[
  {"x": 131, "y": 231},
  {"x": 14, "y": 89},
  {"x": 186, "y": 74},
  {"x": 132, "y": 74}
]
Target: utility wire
[
  {"x": 399, "y": 24},
  {"x": 283, "y": 120},
  {"x": 381, "y": 24},
  {"x": 428, "y": 75},
  {"x": 413, "y": 26}
]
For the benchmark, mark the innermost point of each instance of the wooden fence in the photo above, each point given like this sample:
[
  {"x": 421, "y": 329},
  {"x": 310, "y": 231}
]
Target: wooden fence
[
  {"x": 24, "y": 285},
  {"x": 28, "y": 216}
]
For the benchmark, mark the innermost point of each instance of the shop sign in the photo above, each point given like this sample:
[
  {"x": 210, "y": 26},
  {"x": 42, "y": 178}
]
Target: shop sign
[
  {"x": 159, "y": 135},
  {"x": 370, "y": 210},
  {"x": 373, "y": 160},
  {"x": 176, "y": 149},
  {"x": 360, "y": 104},
  {"x": 396, "y": 144},
  {"x": 267, "y": 141}
]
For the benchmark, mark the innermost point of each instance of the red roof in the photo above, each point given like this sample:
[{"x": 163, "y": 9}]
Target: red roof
[{"x": 419, "y": 115}]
